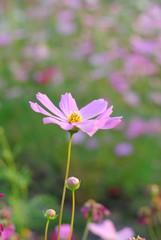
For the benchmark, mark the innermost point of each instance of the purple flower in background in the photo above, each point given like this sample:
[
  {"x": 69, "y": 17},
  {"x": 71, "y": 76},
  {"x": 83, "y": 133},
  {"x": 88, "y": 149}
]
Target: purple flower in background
[
  {"x": 143, "y": 46},
  {"x": 94, "y": 210},
  {"x": 118, "y": 82},
  {"x": 139, "y": 65},
  {"x": 131, "y": 98},
  {"x": 65, "y": 22},
  {"x": 70, "y": 118},
  {"x": 124, "y": 149},
  {"x": 138, "y": 127},
  {"x": 1, "y": 195},
  {"x": 106, "y": 231},
  {"x": 5, "y": 39},
  {"x": 7, "y": 232},
  {"x": 64, "y": 232}
]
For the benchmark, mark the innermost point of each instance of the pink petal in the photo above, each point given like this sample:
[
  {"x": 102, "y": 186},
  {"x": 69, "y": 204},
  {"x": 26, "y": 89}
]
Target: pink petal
[
  {"x": 68, "y": 104},
  {"x": 125, "y": 233},
  {"x": 102, "y": 118},
  {"x": 105, "y": 230},
  {"x": 37, "y": 108},
  {"x": 63, "y": 125},
  {"x": 111, "y": 123},
  {"x": 93, "y": 109},
  {"x": 89, "y": 126},
  {"x": 49, "y": 105}
]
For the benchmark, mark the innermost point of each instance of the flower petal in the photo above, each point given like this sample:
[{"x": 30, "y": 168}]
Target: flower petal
[
  {"x": 68, "y": 104},
  {"x": 49, "y": 105},
  {"x": 63, "y": 125},
  {"x": 111, "y": 123},
  {"x": 93, "y": 109},
  {"x": 37, "y": 108},
  {"x": 89, "y": 126},
  {"x": 105, "y": 230},
  {"x": 125, "y": 233},
  {"x": 102, "y": 118}
]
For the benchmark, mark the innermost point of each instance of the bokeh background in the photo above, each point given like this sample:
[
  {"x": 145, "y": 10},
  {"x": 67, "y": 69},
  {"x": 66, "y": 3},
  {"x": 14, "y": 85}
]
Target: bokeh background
[{"x": 93, "y": 49}]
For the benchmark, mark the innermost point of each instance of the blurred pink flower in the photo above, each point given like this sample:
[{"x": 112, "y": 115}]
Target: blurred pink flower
[
  {"x": 5, "y": 39},
  {"x": 83, "y": 50},
  {"x": 99, "y": 59},
  {"x": 1, "y": 195},
  {"x": 70, "y": 118},
  {"x": 139, "y": 65},
  {"x": 138, "y": 126},
  {"x": 118, "y": 82},
  {"x": 124, "y": 149},
  {"x": 143, "y": 46},
  {"x": 46, "y": 76},
  {"x": 64, "y": 232},
  {"x": 75, "y": 4},
  {"x": 7, "y": 232},
  {"x": 131, "y": 98},
  {"x": 149, "y": 21},
  {"x": 65, "y": 23},
  {"x": 107, "y": 231},
  {"x": 155, "y": 97},
  {"x": 94, "y": 210}
]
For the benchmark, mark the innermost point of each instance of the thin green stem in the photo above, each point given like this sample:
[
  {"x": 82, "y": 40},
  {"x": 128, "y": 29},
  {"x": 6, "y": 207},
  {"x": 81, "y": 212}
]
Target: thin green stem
[
  {"x": 151, "y": 231},
  {"x": 85, "y": 233},
  {"x": 73, "y": 212},
  {"x": 46, "y": 229},
  {"x": 64, "y": 187}
]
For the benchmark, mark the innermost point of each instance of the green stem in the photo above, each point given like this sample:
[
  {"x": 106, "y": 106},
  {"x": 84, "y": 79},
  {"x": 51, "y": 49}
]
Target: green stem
[
  {"x": 46, "y": 230},
  {"x": 64, "y": 188},
  {"x": 151, "y": 231},
  {"x": 85, "y": 234},
  {"x": 73, "y": 212}
]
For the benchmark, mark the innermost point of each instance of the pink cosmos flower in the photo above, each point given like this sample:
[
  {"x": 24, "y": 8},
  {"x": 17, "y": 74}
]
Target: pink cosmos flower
[
  {"x": 64, "y": 232},
  {"x": 106, "y": 231},
  {"x": 124, "y": 149},
  {"x": 70, "y": 118}
]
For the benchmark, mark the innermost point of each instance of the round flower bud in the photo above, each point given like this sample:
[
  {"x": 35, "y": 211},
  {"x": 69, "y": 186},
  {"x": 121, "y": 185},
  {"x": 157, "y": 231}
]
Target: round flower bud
[
  {"x": 72, "y": 183},
  {"x": 50, "y": 214},
  {"x": 153, "y": 190}
]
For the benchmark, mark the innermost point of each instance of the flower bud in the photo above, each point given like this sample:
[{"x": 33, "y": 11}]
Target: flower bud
[
  {"x": 50, "y": 214},
  {"x": 72, "y": 183},
  {"x": 153, "y": 190},
  {"x": 144, "y": 215}
]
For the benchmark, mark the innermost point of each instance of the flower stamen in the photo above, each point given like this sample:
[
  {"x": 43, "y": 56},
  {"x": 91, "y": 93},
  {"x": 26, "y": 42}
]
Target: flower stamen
[{"x": 74, "y": 117}]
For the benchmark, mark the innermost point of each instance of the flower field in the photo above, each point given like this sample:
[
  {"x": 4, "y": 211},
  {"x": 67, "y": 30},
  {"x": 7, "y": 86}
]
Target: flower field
[{"x": 99, "y": 63}]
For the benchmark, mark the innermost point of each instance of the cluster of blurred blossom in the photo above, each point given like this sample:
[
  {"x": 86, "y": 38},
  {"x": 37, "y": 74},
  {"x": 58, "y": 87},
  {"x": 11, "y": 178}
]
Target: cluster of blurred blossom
[
  {"x": 45, "y": 43},
  {"x": 98, "y": 225},
  {"x": 7, "y": 227},
  {"x": 150, "y": 215}
]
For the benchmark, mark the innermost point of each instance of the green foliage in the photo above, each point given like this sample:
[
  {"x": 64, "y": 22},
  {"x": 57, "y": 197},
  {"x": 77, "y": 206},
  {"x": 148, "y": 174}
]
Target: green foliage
[{"x": 37, "y": 157}]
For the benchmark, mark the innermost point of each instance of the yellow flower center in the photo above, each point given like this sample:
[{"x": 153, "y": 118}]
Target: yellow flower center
[{"x": 74, "y": 117}]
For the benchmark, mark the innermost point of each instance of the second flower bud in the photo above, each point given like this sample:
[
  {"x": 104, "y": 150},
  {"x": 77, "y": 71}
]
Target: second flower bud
[{"x": 72, "y": 183}]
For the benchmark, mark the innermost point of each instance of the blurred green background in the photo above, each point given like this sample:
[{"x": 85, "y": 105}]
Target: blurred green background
[{"x": 93, "y": 49}]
